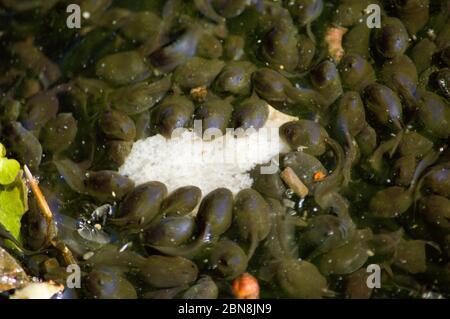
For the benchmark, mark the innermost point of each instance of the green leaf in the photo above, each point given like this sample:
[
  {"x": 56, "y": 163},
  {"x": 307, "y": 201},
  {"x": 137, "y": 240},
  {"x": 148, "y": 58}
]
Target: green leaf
[
  {"x": 9, "y": 168},
  {"x": 12, "y": 209},
  {"x": 2, "y": 150}
]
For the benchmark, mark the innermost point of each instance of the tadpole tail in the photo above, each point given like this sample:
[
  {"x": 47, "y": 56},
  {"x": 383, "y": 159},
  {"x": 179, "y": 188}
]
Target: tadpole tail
[
  {"x": 428, "y": 160},
  {"x": 189, "y": 250},
  {"x": 310, "y": 34},
  {"x": 305, "y": 97},
  {"x": 253, "y": 244},
  {"x": 326, "y": 194},
  {"x": 376, "y": 159},
  {"x": 205, "y": 7},
  {"x": 333, "y": 181},
  {"x": 350, "y": 158}
]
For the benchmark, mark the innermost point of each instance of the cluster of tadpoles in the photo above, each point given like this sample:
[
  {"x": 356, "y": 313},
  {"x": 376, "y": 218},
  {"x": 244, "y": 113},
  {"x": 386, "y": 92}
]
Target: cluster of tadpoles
[{"x": 244, "y": 286}]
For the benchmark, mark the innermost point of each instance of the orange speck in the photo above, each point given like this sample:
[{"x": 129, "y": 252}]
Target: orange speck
[
  {"x": 246, "y": 287},
  {"x": 318, "y": 176}
]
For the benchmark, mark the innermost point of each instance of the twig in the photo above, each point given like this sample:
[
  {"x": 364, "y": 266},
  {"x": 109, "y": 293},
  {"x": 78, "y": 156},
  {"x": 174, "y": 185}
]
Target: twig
[
  {"x": 294, "y": 182},
  {"x": 45, "y": 209},
  {"x": 47, "y": 213}
]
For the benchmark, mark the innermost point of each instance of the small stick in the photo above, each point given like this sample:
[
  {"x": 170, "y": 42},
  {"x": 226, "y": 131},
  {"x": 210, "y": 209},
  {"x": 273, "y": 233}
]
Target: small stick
[
  {"x": 48, "y": 215},
  {"x": 294, "y": 182},
  {"x": 45, "y": 209}
]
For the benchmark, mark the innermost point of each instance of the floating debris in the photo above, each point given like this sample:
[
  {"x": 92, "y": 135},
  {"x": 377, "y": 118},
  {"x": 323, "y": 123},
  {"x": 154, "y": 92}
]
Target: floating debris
[
  {"x": 12, "y": 275},
  {"x": 246, "y": 287},
  {"x": 294, "y": 182}
]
